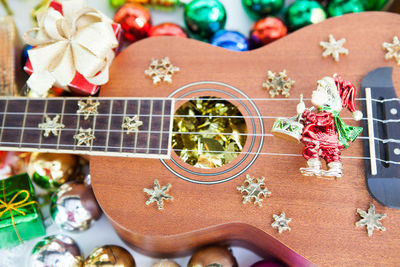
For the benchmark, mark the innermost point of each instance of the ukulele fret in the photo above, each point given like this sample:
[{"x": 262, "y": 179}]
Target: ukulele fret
[{"x": 21, "y": 129}]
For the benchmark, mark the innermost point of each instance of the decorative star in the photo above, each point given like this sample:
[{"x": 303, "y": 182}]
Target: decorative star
[
  {"x": 88, "y": 108},
  {"x": 158, "y": 194},
  {"x": 51, "y": 125},
  {"x": 281, "y": 222},
  {"x": 253, "y": 190},
  {"x": 276, "y": 83},
  {"x": 371, "y": 220},
  {"x": 84, "y": 137},
  {"x": 334, "y": 48},
  {"x": 393, "y": 50},
  {"x": 131, "y": 124},
  {"x": 161, "y": 70}
]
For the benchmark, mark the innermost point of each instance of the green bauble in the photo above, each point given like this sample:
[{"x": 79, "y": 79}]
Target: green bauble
[
  {"x": 116, "y": 3},
  {"x": 341, "y": 7},
  {"x": 203, "y": 18},
  {"x": 302, "y": 13},
  {"x": 374, "y": 4},
  {"x": 257, "y": 9}
]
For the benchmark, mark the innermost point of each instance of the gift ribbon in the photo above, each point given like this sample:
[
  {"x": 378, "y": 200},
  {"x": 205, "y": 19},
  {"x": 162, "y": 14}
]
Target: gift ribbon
[
  {"x": 81, "y": 39},
  {"x": 11, "y": 206},
  {"x": 346, "y": 133}
]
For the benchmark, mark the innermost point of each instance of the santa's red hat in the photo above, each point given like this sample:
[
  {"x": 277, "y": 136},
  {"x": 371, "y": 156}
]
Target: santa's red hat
[{"x": 347, "y": 93}]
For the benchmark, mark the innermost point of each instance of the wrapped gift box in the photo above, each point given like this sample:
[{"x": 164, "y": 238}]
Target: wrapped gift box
[
  {"x": 80, "y": 85},
  {"x": 20, "y": 216}
]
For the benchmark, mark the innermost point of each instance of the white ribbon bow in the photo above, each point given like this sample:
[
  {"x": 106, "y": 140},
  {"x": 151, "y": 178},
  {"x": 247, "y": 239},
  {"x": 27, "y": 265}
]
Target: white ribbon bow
[{"x": 81, "y": 40}]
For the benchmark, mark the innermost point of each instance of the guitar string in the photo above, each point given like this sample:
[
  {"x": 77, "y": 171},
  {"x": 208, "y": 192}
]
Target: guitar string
[{"x": 187, "y": 150}]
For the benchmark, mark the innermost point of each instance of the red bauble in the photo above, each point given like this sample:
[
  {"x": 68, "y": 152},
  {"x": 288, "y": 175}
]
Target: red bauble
[
  {"x": 265, "y": 31},
  {"x": 135, "y": 20},
  {"x": 167, "y": 29}
]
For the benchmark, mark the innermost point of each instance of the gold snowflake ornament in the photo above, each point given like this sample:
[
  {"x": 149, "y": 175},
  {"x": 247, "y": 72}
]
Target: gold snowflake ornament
[
  {"x": 51, "y": 126},
  {"x": 393, "y": 50},
  {"x": 161, "y": 70},
  {"x": 88, "y": 108},
  {"x": 84, "y": 137},
  {"x": 371, "y": 220},
  {"x": 281, "y": 222},
  {"x": 276, "y": 83},
  {"x": 334, "y": 48},
  {"x": 158, "y": 194},
  {"x": 253, "y": 190},
  {"x": 131, "y": 125}
]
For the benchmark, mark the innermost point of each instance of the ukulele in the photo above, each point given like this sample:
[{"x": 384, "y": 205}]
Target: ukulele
[{"x": 206, "y": 206}]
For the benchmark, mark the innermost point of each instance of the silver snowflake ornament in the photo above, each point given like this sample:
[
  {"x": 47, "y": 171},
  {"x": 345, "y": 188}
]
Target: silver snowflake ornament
[
  {"x": 51, "y": 125},
  {"x": 253, "y": 190},
  {"x": 161, "y": 70},
  {"x": 393, "y": 50},
  {"x": 158, "y": 194},
  {"x": 281, "y": 222},
  {"x": 84, "y": 137},
  {"x": 371, "y": 219},
  {"x": 131, "y": 125},
  {"x": 334, "y": 48},
  {"x": 276, "y": 83},
  {"x": 88, "y": 108}
]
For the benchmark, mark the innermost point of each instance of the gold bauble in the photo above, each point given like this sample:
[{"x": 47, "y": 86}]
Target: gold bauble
[
  {"x": 166, "y": 263},
  {"x": 50, "y": 170},
  {"x": 213, "y": 256},
  {"x": 110, "y": 256}
]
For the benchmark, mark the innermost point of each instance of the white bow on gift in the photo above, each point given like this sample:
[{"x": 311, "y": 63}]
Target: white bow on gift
[{"x": 79, "y": 40}]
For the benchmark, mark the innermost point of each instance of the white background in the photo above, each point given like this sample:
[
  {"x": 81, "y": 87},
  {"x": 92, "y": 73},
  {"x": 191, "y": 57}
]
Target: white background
[{"x": 102, "y": 233}]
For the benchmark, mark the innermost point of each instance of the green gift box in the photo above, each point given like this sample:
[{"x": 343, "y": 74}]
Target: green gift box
[{"x": 20, "y": 217}]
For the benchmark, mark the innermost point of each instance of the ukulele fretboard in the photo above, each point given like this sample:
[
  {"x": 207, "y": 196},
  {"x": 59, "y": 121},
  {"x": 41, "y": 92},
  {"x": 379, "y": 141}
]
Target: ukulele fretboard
[{"x": 134, "y": 127}]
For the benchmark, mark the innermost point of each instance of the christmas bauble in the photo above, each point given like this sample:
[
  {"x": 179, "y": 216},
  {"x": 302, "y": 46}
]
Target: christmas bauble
[
  {"x": 116, "y": 3},
  {"x": 166, "y": 263},
  {"x": 110, "y": 256},
  {"x": 135, "y": 20},
  {"x": 50, "y": 170},
  {"x": 374, "y": 4},
  {"x": 25, "y": 50},
  {"x": 56, "y": 250},
  {"x": 302, "y": 13},
  {"x": 230, "y": 40},
  {"x": 167, "y": 29},
  {"x": 267, "y": 263},
  {"x": 204, "y": 18},
  {"x": 340, "y": 7},
  {"x": 12, "y": 163},
  {"x": 74, "y": 207},
  {"x": 257, "y": 9},
  {"x": 213, "y": 256},
  {"x": 265, "y": 31}
]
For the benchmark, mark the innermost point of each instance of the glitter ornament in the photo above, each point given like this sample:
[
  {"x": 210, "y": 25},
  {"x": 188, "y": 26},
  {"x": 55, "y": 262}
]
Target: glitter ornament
[
  {"x": 257, "y": 9},
  {"x": 135, "y": 20},
  {"x": 74, "y": 207},
  {"x": 341, "y": 7},
  {"x": 265, "y": 31},
  {"x": 230, "y": 40},
  {"x": 302, "y": 13},
  {"x": 167, "y": 29},
  {"x": 204, "y": 18},
  {"x": 116, "y": 3},
  {"x": 50, "y": 170},
  {"x": 56, "y": 250},
  {"x": 111, "y": 256},
  {"x": 374, "y": 4}
]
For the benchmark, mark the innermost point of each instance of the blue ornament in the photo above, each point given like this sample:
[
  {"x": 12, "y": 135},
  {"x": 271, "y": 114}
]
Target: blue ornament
[
  {"x": 230, "y": 40},
  {"x": 25, "y": 50}
]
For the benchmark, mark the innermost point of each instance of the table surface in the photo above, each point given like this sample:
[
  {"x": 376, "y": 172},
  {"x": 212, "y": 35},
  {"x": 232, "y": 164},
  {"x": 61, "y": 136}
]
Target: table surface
[{"x": 101, "y": 233}]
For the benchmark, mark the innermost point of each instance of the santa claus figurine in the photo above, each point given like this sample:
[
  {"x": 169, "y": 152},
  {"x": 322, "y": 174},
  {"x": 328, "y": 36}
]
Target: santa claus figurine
[{"x": 325, "y": 134}]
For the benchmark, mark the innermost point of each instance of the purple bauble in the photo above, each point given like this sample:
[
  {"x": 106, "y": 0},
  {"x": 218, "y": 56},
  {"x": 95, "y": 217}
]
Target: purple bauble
[{"x": 267, "y": 263}]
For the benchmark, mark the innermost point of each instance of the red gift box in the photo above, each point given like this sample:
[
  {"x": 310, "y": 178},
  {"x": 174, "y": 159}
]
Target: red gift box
[{"x": 79, "y": 85}]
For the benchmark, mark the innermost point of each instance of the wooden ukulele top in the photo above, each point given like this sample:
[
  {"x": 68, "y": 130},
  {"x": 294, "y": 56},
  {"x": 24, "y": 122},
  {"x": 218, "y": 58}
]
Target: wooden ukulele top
[{"x": 323, "y": 212}]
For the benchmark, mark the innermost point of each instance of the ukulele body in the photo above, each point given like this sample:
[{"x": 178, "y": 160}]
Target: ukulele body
[{"x": 207, "y": 208}]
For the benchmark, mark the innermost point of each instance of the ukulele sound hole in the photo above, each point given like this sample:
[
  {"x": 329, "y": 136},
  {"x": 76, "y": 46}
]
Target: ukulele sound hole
[{"x": 208, "y": 132}]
